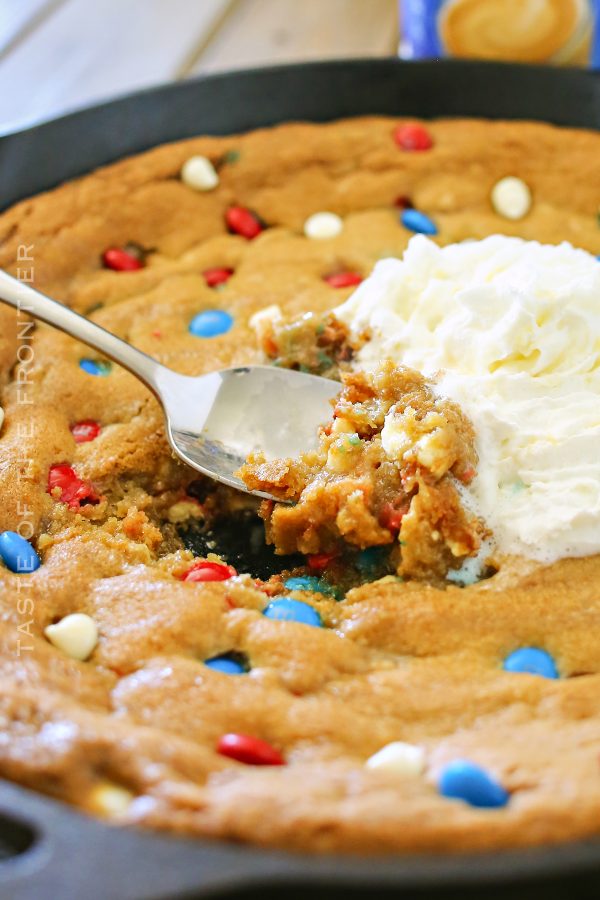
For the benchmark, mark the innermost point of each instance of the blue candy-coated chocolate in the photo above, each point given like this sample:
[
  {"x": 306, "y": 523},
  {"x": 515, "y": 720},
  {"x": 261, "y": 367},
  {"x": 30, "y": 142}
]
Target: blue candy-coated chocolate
[
  {"x": 227, "y": 664},
  {"x": 211, "y": 323},
  {"x": 289, "y": 610},
  {"x": 95, "y": 366},
  {"x": 311, "y": 583},
  {"x": 418, "y": 221},
  {"x": 532, "y": 661},
  {"x": 368, "y": 561},
  {"x": 463, "y": 780},
  {"x": 17, "y": 553}
]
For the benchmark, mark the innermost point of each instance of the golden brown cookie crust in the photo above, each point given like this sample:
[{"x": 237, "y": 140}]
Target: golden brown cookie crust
[{"x": 396, "y": 661}]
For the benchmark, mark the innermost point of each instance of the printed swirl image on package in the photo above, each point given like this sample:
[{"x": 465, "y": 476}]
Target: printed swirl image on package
[{"x": 559, "y": 32}]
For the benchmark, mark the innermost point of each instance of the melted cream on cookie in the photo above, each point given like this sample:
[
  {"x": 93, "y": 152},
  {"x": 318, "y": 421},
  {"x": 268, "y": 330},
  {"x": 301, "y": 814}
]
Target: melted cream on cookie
[{"x": 510, "y": 329}]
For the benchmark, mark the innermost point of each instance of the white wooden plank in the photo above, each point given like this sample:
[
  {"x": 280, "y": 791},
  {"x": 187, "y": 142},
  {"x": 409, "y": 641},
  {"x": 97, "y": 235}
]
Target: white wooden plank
[
  {"x": 17, "y": 16},
  {"x": 88, "y": 51},
  {"x": 259, "y": 32}
]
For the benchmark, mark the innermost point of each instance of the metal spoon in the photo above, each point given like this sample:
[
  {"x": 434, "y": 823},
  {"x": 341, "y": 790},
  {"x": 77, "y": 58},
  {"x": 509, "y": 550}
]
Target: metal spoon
[{"x": 213, "y": 421}]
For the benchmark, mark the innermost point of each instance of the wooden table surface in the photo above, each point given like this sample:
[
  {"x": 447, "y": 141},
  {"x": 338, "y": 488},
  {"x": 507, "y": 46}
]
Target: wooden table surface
[{"x": 57, "y": 55}]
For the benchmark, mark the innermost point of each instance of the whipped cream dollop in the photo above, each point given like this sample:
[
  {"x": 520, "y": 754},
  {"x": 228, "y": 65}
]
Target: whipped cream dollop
[{"x": 510, "y": 330}]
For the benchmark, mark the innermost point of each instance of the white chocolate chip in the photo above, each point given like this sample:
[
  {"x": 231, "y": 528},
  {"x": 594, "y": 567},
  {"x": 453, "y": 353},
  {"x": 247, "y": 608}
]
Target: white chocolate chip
[
  {"x": 340, "y": 456},
  {"x": 342, "y": 426},
  {"x": 110, "y": 799},
  {"x": 323, "y": 225},
  {"x": 398, "y": 758},
  {"x": 427, "y": 440},
  {"x": 264, "y": 323},
  {"x": 199, "y": 173},
  {"x": 184, "y": 510},
  {"x": 76, "y": 635},
  {"x": 266, "y": 316},
  {"x": 511, "y": 198}
]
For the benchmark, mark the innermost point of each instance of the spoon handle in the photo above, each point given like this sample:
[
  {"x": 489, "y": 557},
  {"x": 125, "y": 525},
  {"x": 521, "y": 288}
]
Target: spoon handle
[{"x": 27, "y": 300}]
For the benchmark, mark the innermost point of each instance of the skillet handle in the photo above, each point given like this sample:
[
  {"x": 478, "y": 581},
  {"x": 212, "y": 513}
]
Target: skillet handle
[{"x": 49, "y": 850}]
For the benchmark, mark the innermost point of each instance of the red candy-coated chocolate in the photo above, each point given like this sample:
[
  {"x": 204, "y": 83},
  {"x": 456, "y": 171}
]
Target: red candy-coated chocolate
[
  {"x": 390, "y": 517},
  {"x": 243, "y": 221},
  {"x": 249, "y": 750},
  {"x": 403, "y": 202},
  {"x": 74, "y": 491},
  {"x": 343, "y": 279},
  {"x": 203, "y": 570},
  {"x": 413, "y": 137},
  {"x": 216, "y": 276},
  {"x": 319, "y": 561},
  {"x": 85, "y": 431},
  {"x": 120, "y": 260}
]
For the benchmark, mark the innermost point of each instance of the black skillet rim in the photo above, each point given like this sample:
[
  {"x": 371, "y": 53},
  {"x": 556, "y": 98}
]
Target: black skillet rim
[{"x": 41, "y": 156}]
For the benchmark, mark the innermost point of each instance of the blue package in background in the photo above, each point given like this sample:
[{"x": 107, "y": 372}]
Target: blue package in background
[
  {"x": 421, "y": 33},
  {"x": 595, "y": 58}
]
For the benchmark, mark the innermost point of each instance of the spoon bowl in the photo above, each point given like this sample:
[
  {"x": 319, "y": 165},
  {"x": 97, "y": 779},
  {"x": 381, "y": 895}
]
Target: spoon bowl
[{"x": 213, "y": 421}]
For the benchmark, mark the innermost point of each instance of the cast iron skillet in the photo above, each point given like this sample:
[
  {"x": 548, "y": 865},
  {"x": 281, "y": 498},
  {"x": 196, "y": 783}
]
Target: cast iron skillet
[{"x": 46, "y": 849}]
